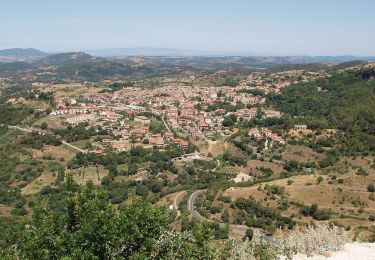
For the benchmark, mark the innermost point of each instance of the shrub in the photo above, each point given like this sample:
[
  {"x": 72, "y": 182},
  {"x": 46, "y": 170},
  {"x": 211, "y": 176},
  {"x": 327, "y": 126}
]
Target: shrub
[
  {"x": 311, "y": 241},
  {"x": 215, "y": 209},
  {"x": 371, "y": 187},
  {"x": 249, "y": 234},
  {"x": 314, "y": 240},
  {"x": 225, "y": 217},
  {"x": 361, "y": 172},
  {"x": 254, "y": 249},
  {"x": 322, "y": 214},
  {"x": 18, "y": 211}
]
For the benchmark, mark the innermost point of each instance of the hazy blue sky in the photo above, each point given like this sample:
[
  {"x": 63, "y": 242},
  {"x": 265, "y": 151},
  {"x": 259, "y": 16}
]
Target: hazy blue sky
[{"x": 315, "y": 27}]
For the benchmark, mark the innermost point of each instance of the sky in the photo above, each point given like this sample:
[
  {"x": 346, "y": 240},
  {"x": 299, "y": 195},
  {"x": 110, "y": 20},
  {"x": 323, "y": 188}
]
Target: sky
[{"x": 280, "y": 27}]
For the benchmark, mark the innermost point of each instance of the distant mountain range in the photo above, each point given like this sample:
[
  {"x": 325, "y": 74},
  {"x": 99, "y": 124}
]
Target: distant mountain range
[
  {"x": 68, "y": 58},
  {"x": 145, "y": 51},
  {"x": 18, "y": 52},
  {"x": 79, "y": 66}
]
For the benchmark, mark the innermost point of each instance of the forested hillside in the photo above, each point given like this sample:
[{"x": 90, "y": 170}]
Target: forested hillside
[{"x": 345, "y": 101}]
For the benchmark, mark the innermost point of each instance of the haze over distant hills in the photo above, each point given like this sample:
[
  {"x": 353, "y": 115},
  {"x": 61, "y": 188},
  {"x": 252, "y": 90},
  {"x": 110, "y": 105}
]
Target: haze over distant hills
[
  {"x": 141, "y": 63},
  {"x": 79, "y": 66},
  {"x": 146, "y": 51},
  {"x": 18, "y": 54},
  {"x": 149, "y": 51}
]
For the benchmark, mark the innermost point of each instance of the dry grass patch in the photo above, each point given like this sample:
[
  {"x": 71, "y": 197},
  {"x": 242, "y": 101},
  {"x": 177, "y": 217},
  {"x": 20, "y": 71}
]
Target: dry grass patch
[
  {"x": 52, "y": 122},
  {"x": 55, "y": 152},
  {"x": 300, "y": 153},
  {"x": 5, "y": 210},
  {"x": 36, "y": 185},
  {"x": 215, "y": 149},
  {"x": 91, "y": 173},
  {"x": 252, "y": 166},
  {"x": 236, "y": 193}
]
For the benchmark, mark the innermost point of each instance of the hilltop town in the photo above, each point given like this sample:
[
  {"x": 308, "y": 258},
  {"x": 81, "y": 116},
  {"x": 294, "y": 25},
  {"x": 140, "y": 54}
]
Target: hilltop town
[
  {"x": 250, "y": 153},
  {"x": 169, "y": 114}
]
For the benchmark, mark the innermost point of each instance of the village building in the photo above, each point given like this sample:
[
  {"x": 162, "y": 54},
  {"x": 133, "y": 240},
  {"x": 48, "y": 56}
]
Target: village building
[
  {"x": 142, "y": 119},
  {"x": 300, "y": 127},
  {"x": 80, "y": 119}
]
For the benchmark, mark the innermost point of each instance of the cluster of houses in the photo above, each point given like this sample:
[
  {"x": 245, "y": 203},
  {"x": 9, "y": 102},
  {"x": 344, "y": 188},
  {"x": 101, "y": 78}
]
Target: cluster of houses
[
  {"x": 274, "y": 82},
  {"x": 263, "y": 133},
  {"x": 181, "y": 108},
  {"x": 120, "y": 141}
]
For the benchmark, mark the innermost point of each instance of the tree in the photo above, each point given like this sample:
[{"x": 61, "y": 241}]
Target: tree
[
  {"x": 225, "y": 216},
  {"x": 229, "y": 120},
  {"x": 371, "y": 187},
  {"x": 90, "y": 228},
  {"x": 44, "y": 126},
  {"x": 249, "y": 234}
]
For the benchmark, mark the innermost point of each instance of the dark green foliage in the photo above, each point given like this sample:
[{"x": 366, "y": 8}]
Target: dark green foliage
[
  {"x": 10, "y": 229},
  {"x": 249, "y": 234},
  {"x": 36, "y": 141},
  {"x": 234, "y": 159},
  {"x": 157, "y": 127},
  {"x": 115, "y": 86},
  {"x": 333, "y": 103},
  {"x": 315, "y": 212},
  {"x": 266, "y": 171},
  {"x": 141, "y": 190},
  {"x": 260, "y": 216},
  {"x": 361, "y": 172},
  {"x": 225, "y": 217},
  {"x": 89, "y": 228},
  {"x": 274, "y": 189},
  {"x": 291, "y": 166},
  {"x": 371, "y": 187},
  {"x": 227, "y": 106},
  {"x": 18, "y": 211},
  {"x": 13, "y": 114},
  {"x": 255, "y": 92},
  {"x": 75, "y": 133},
  {"x": 229, "y": 120}
]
